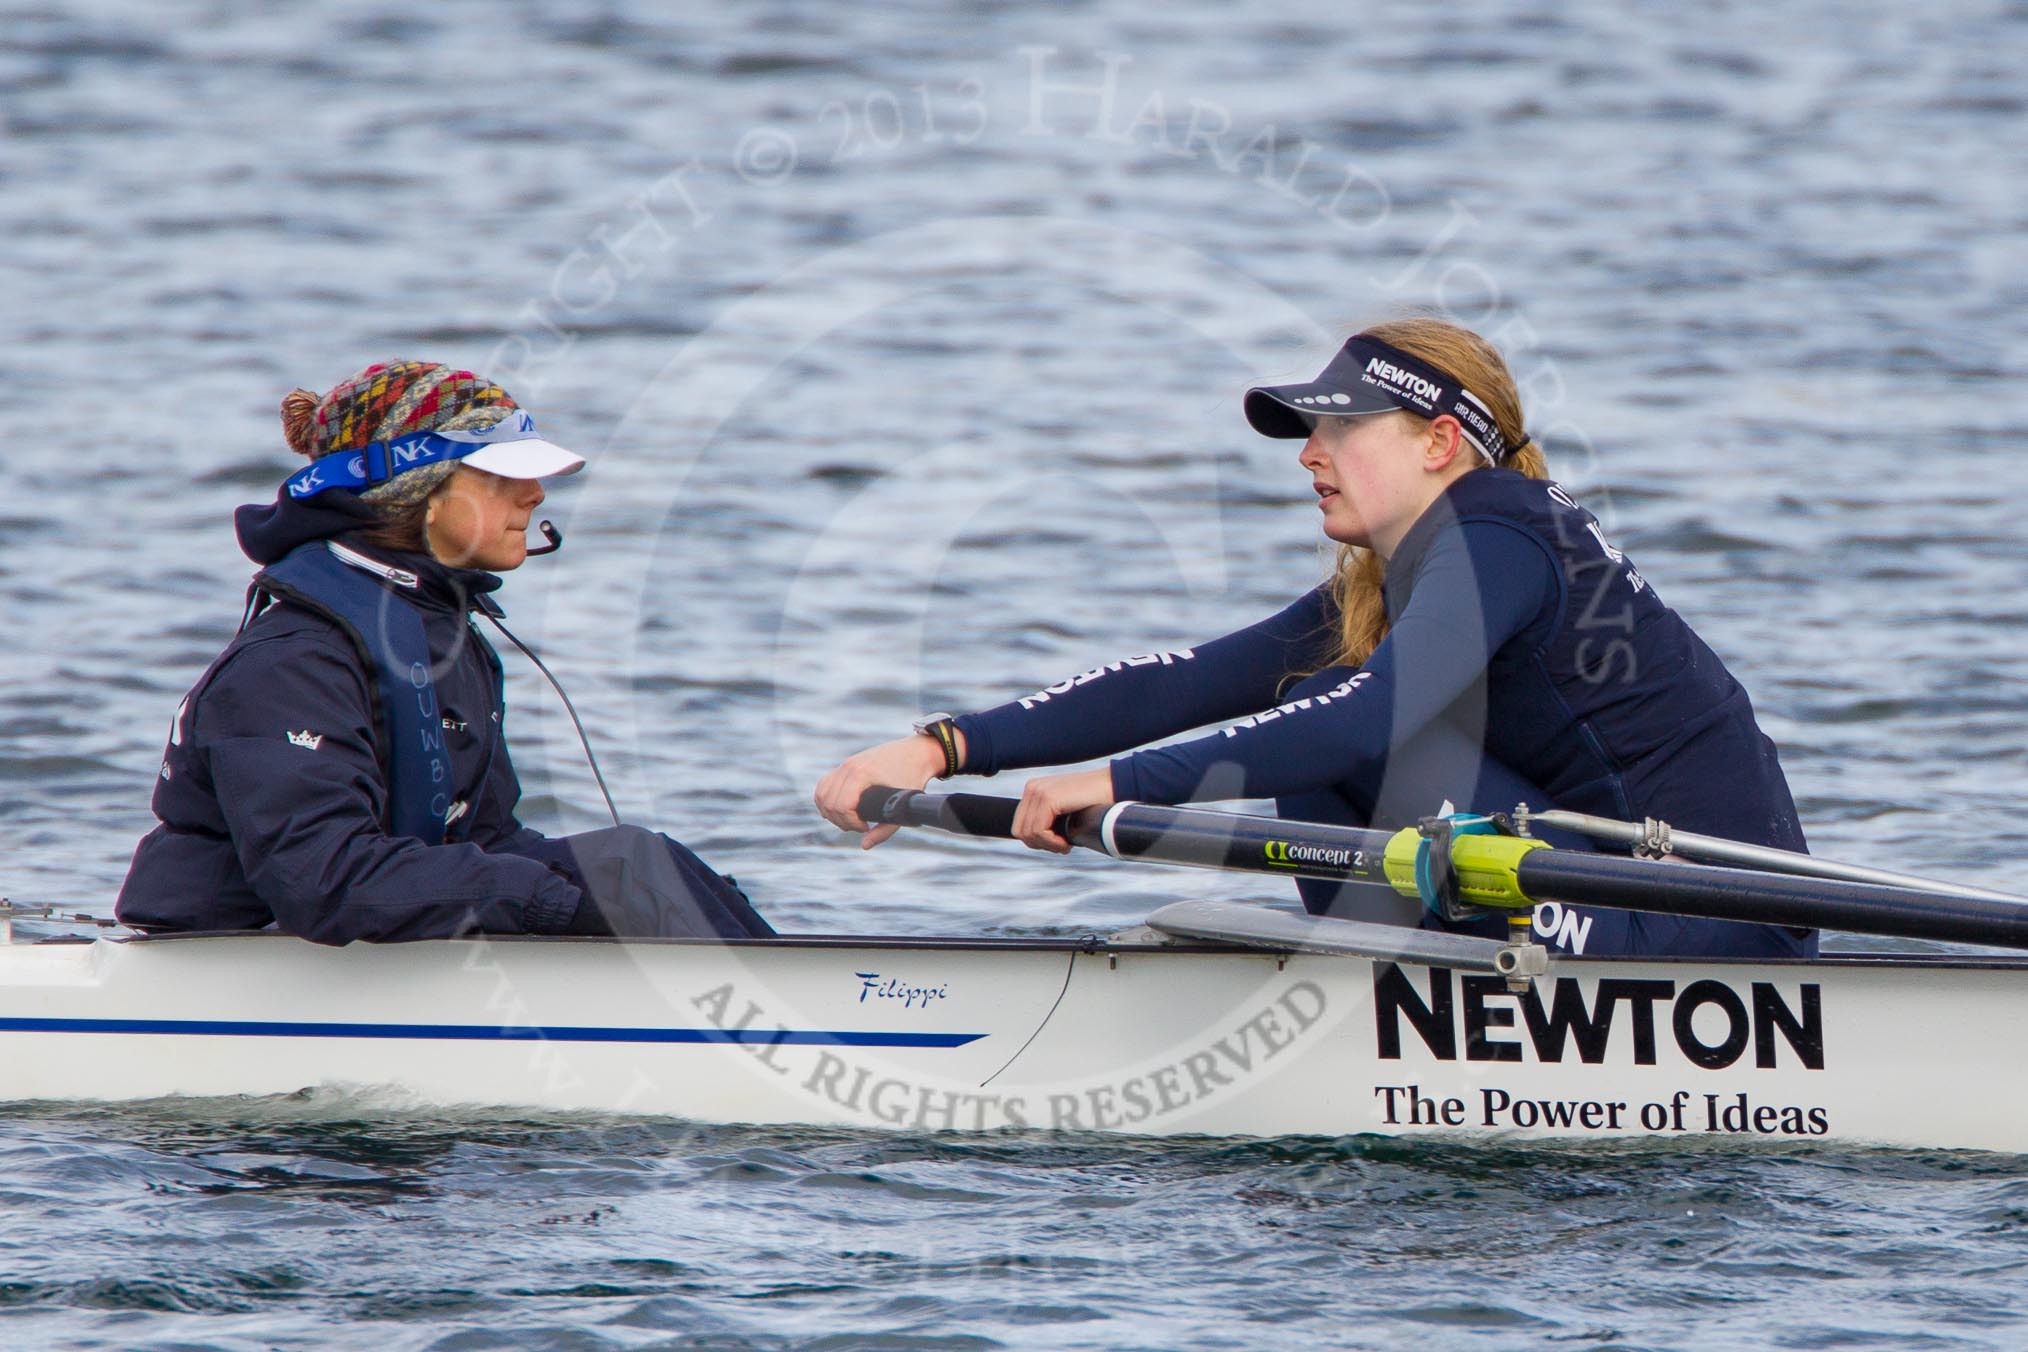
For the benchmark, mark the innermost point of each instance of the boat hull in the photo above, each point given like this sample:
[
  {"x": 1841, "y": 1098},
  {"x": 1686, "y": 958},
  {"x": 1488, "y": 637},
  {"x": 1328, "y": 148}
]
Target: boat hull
[{"x": 979, "y": 1035}]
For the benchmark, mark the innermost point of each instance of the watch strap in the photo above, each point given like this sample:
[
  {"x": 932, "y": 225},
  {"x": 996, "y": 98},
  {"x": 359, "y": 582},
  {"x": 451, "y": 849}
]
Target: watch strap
[{"x": 944, "y": 732}]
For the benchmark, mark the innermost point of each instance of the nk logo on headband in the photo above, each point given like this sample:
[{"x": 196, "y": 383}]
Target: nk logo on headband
[
  {"x": 372, "y": 464},
  {"x": 375, "y": 464}
]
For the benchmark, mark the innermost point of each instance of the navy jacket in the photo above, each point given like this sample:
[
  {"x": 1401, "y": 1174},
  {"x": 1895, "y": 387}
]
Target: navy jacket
[
  {"x": 273, "y": 798},
  {"x": 1512, "y": 622}
]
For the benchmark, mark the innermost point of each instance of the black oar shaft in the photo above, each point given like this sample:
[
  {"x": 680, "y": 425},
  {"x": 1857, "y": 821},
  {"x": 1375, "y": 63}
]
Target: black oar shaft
[
  {"x": 1227, "y": 840},
  {"x": 1769, "y": 898},
  {"x": 1193, "y": 837},
  {"x": 1268, "y": 845},
  {"x": 1699, "y": 849}
]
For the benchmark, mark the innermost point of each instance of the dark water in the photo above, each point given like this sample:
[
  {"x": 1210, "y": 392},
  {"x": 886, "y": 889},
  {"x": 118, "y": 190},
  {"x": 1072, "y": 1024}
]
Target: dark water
[
  {"x": 907, "y": 346},
  {"x": 291, "y": 1225}
]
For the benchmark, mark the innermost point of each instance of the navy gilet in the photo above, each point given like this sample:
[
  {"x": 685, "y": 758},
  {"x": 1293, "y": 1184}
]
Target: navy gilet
[
  {"x": 1661, "y": 727},
  {"x": 387, "y": 632}
]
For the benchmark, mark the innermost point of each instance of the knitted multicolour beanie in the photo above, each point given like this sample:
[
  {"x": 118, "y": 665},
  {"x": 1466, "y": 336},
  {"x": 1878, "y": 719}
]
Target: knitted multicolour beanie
[{"x": 388, "y": 400}]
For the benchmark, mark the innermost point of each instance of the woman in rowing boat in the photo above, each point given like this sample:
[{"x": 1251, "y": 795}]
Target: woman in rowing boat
[
  {"x": 341, "y": 770},
  {"x": 1480, "y": 641}
]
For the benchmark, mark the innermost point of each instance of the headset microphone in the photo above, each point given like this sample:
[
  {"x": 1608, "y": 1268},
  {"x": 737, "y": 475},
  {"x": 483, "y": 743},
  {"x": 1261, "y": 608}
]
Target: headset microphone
[{"x": 551, "y": 534}]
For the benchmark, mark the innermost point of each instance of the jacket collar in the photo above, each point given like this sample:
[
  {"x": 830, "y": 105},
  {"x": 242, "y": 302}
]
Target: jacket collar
[
  {"x": 268, "y": 532},
  {"x": 425, "y": 580}
]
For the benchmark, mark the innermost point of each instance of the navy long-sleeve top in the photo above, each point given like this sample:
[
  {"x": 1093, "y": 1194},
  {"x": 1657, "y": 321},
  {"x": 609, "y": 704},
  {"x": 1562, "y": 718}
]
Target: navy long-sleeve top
[{"x": 1511, "y": 617}]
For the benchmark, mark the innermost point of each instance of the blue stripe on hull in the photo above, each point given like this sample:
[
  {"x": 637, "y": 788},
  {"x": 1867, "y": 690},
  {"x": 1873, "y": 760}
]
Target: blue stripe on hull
[{"x": 464, "y": 1032}]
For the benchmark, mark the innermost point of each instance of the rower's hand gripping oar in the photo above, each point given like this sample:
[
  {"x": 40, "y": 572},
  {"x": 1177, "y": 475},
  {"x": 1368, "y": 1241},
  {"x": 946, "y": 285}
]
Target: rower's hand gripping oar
[{"x": 1509, "y": 873}]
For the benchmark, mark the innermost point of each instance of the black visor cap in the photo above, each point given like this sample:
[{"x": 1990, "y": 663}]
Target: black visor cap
[{"x": 1366, "y": 376}]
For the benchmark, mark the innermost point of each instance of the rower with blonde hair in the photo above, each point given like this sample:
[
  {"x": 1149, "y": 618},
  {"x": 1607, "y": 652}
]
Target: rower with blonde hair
[{"x": 1480, "y": 641}]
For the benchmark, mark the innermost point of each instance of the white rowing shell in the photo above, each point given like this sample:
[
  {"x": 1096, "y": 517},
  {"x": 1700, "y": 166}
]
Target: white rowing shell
[{"x": 984, "y": 1034}]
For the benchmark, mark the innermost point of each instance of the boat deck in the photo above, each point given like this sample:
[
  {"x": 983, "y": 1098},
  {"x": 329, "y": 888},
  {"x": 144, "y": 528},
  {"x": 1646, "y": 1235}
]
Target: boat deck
[{"x": 1131, "y": 941}]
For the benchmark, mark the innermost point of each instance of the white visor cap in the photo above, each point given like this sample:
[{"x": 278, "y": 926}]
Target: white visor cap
[{"x": 512, "y": 449}]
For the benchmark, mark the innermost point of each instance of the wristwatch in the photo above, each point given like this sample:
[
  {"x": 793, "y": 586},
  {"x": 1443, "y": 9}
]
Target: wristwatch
[{"x": 945, "y": 731}]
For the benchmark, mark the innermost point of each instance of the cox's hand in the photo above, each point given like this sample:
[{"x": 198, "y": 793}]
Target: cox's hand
[
  {"x": 906, "y": 763},
  {"x": 1044, "y": 800}
]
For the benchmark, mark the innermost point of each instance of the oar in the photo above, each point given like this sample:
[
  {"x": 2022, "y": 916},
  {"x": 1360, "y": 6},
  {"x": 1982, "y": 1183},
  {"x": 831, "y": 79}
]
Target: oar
[
  {"x": 1189, "y": 836},
  {"x": 1739, "y": 854},
  {"x": 1506, "y": 872}
]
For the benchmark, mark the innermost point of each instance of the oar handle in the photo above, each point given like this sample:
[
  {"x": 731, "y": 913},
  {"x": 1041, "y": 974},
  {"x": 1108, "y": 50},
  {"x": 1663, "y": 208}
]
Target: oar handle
[
  {"x": 968, "y": 814},
  {"x": 965, "y": 814}
]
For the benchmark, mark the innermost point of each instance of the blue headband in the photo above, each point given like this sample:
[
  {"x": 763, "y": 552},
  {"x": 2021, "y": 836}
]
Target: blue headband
[{"x": 370, "y": 466}]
